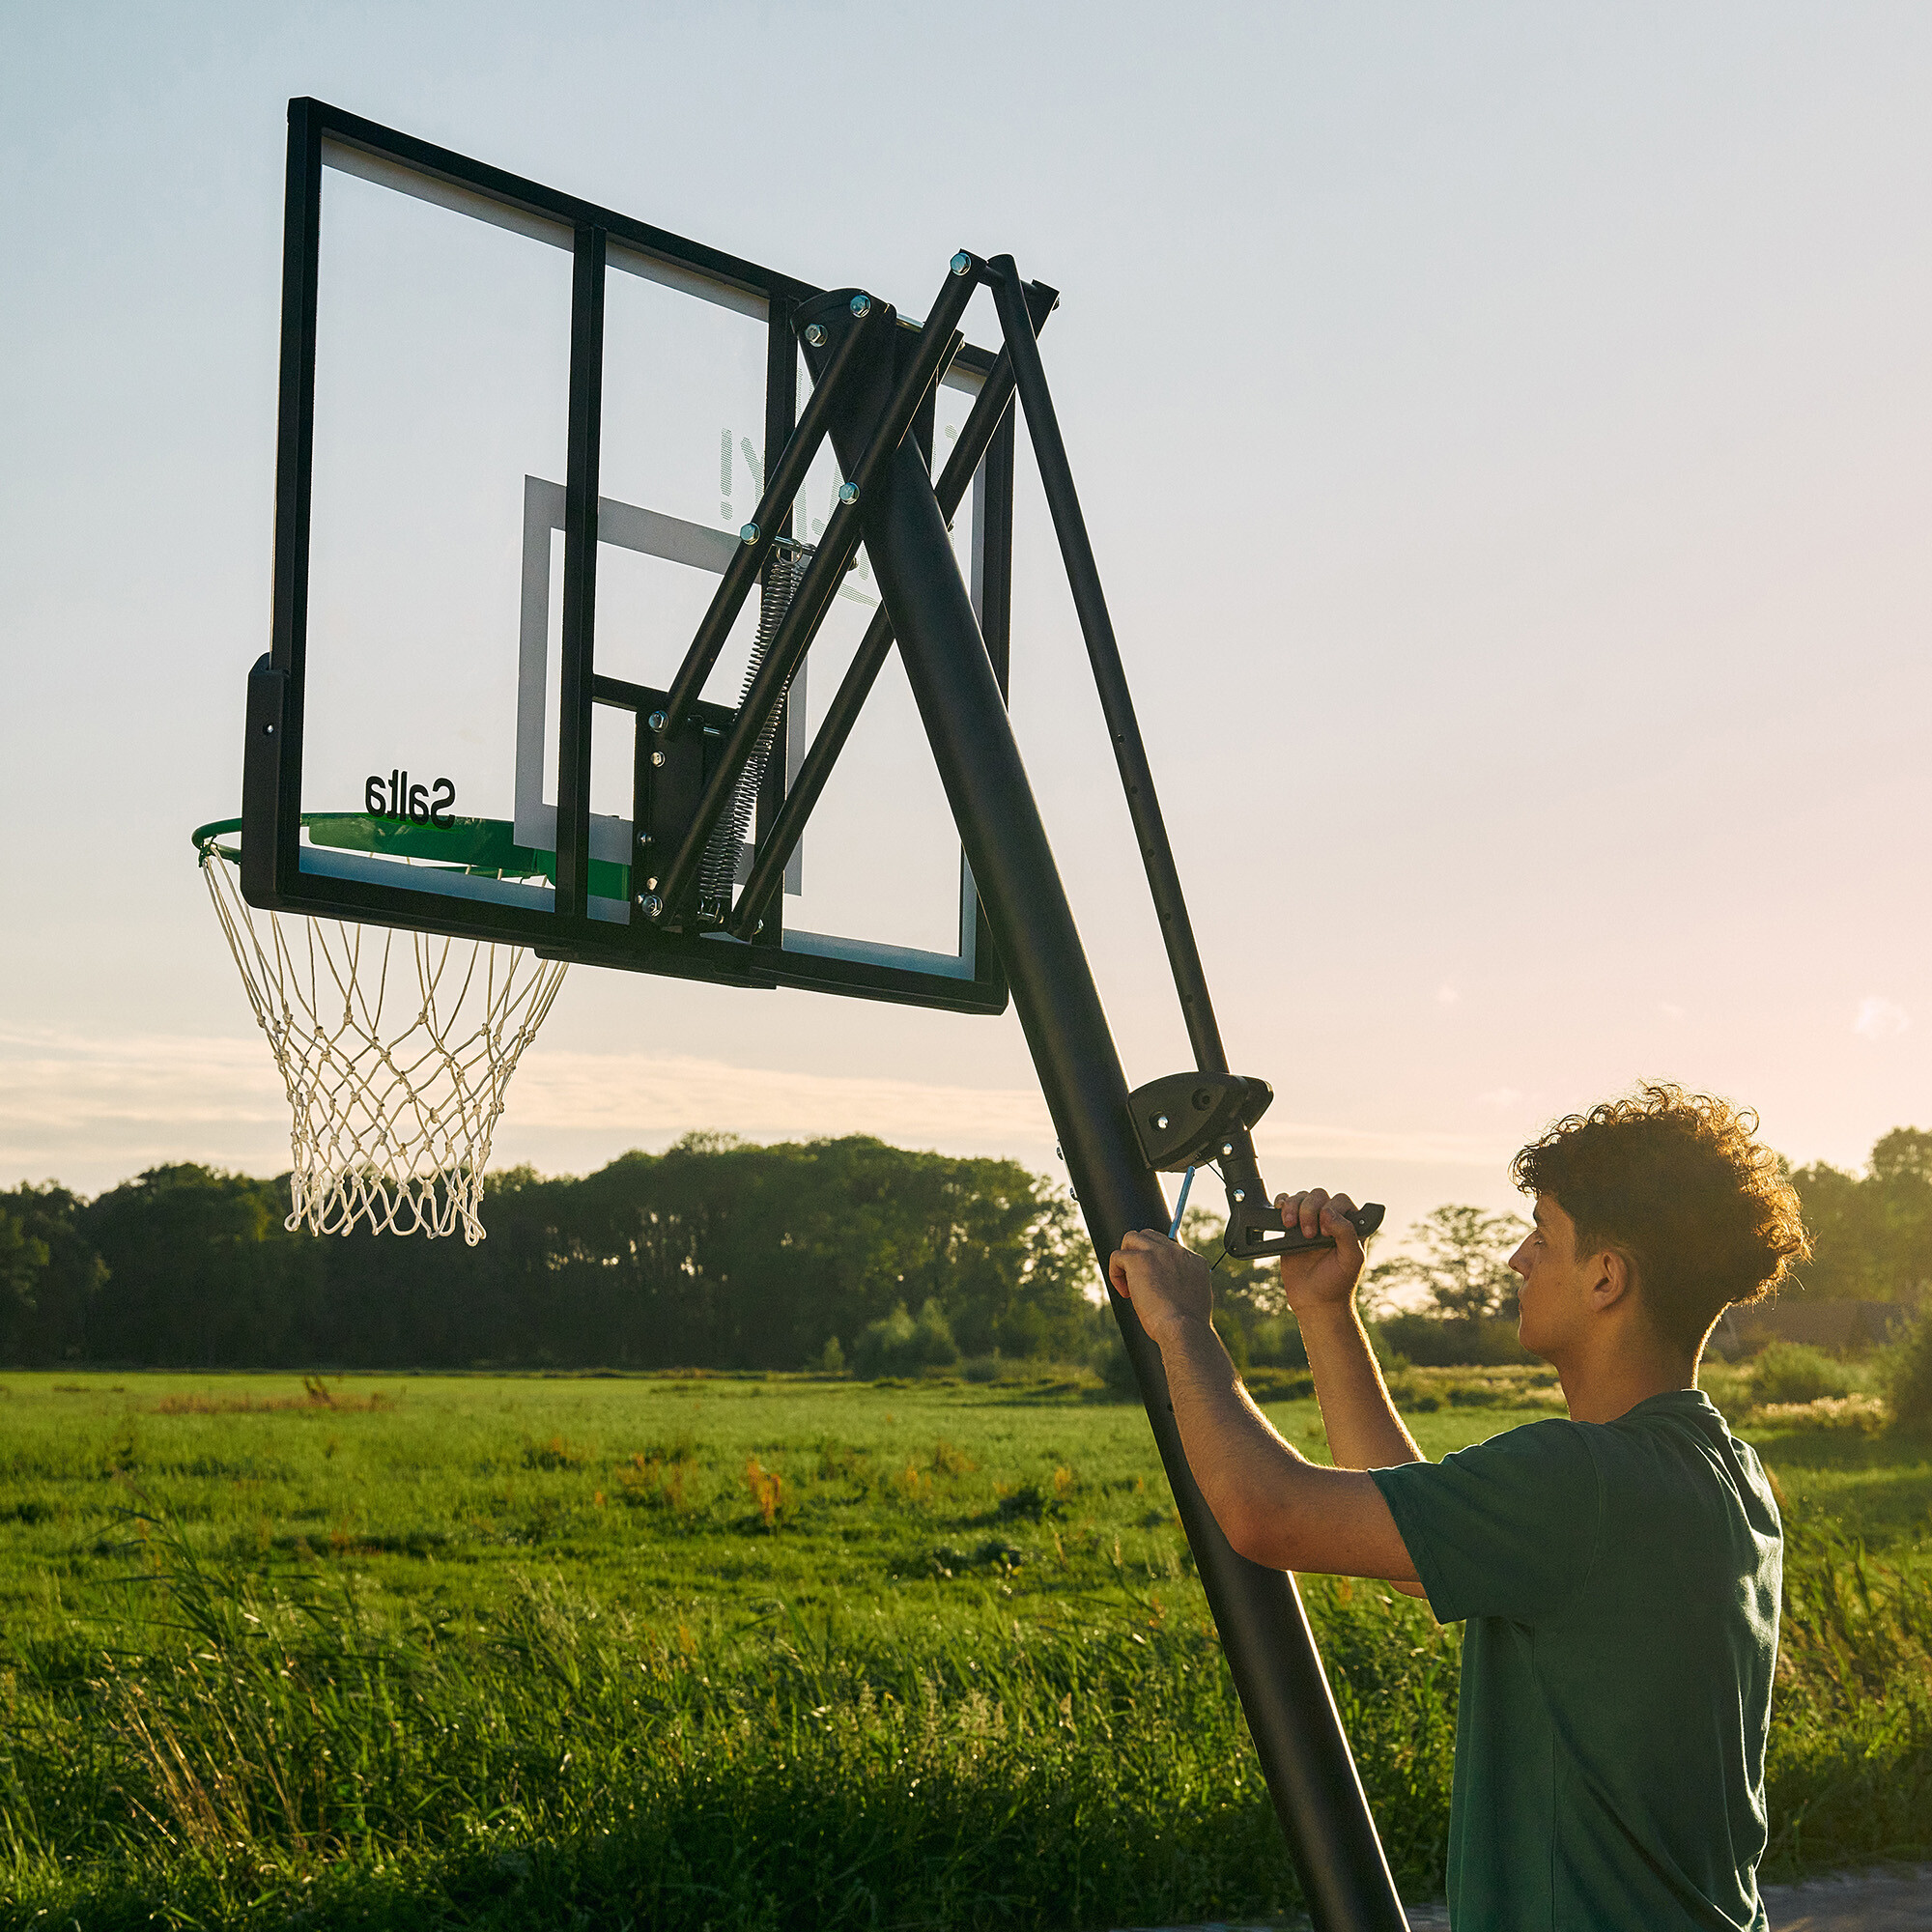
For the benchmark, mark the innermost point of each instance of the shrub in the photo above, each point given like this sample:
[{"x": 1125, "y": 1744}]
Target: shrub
[
  {"x": 1909, "y": 1377},
  {"x": 901, "y": 1346},
  {"x": 1794, "y": 1371},
  {"x": 833, "y": 1360},
  {"x": 1430, "y": 1342},
  {"x": 1277, "y": 1343}
]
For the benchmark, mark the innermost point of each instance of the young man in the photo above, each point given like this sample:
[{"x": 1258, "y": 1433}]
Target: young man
[{"x": 1619, "y": 1571}]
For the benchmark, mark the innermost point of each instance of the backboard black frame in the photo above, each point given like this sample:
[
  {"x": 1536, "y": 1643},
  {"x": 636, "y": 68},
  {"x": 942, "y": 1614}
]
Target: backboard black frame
[{"x": 274, "y": 875}]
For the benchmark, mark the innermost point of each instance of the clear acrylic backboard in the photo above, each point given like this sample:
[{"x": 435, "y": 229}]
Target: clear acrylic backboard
[{"x": 432, "y": 421}]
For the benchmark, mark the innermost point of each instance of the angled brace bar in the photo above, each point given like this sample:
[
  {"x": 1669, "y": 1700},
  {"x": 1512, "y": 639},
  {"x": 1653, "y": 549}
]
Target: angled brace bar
[
  {"x": 1253, "y": 1227},
  {"x": 938, "y": 342},
  {"x": 742, "y": 572},
  {"x": 802, "y": 795},
  {"x": 1116, "y": 703}
]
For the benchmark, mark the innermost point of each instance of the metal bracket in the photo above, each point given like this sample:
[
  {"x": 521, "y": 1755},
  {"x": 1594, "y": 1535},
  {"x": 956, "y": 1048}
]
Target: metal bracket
[{"x": 1206, "y": 1120}]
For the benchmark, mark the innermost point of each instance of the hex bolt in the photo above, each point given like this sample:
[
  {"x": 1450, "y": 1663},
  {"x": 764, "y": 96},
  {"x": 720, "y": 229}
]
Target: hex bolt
[
  {"x": 657, "y": 720},
  {"x": 1160, "y": 1121},
  {"x": 1227, "y": 1147},
  {"x": 861, "y": 307},
  {"x": 848, "y": 493},
  {"x": 961, "y": 262},
  {"x": 657, "y": 757},
  {"x": 749, "y": 534},
  {"x": 653, "y": 905},
  {"x": 815, "y": 334}
]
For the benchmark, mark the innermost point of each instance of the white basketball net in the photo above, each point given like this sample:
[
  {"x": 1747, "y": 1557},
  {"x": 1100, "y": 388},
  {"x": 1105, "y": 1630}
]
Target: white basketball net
[{"x": 395, "y": 1048}]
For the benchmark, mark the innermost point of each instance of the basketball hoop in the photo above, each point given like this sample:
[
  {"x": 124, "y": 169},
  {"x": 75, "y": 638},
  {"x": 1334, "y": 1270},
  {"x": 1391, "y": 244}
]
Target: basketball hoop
[{"x": 395, "y": 1047}]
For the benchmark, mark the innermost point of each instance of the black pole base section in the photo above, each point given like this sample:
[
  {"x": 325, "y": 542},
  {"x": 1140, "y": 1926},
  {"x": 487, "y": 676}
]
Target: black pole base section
[{"x": 1264, "y": 1628}]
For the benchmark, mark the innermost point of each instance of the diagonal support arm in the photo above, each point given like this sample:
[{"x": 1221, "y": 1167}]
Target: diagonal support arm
[
  {"x": 938, "y": 342},
  {"x": 742, "y": 572},
  {"x": 802, "y": 795}
]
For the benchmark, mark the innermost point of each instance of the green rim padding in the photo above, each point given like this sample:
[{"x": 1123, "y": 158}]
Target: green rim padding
[{"x": 484, "y": 847}]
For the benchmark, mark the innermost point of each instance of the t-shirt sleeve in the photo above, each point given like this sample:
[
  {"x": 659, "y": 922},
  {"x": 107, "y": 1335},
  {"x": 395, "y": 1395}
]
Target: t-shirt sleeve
[{"x": 1507, "y": 1528}]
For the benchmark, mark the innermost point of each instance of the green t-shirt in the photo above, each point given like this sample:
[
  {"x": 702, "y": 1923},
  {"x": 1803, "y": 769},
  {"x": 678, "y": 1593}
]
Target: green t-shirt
[{"x": 1621, "y": 1586}]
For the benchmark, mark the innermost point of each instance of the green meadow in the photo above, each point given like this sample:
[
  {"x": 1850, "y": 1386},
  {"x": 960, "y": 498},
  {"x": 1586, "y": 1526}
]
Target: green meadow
[{"x": 739, "y": 1651}]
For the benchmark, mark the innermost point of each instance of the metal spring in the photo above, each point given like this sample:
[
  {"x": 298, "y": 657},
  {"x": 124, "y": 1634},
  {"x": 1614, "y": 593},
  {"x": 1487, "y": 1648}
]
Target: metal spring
[{"x": 718, "y": 871}]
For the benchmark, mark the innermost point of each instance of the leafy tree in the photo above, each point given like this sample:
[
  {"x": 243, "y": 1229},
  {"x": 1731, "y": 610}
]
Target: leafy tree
[
  {"x": 1871, "y": 1233},
  {"x": 49, "y": 1275},
  {"x": 204, "y": 1271},
  {"x": 1461, "y": 1268},
  {"x": 23, "y": 1260}
]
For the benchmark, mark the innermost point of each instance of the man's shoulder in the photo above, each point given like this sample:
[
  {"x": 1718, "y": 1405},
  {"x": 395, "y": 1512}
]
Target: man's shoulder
[
  {"x": 1553, "y": 1441},
  {"x": 1678, "y": 1444},
  {"x": 1550, "y": 1458}
]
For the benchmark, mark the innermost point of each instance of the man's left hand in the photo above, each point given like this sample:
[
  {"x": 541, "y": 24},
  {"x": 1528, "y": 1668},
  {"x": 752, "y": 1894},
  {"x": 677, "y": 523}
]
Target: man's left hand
[{"x": 1170, "y": 1286}]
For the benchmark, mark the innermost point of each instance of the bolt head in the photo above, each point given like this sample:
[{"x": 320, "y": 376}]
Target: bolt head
[
  {"x": 657, "y": 720},
  {"x": 1241, "y": 1194},
  {"x": 652, "y": 905},
  {"x": 815, "y": 334},
  {"x": 848, "y": 493},
  {"x": 961, "y": 262},
  {"x": 1161, "y": 1123},
  {"x": 749, "y": 534},
  {"x": 861, "y": 307},
  {"x": 1227, "y": 1147},
  {"x": 650, "y": 885},
  {"x": 657, "y": 757}
]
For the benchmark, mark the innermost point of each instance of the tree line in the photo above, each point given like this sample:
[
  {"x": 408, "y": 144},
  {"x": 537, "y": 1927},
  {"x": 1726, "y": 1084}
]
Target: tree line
[
  {"x": 714, "y": 1254},
  {"x": 722, "y": 1254}
]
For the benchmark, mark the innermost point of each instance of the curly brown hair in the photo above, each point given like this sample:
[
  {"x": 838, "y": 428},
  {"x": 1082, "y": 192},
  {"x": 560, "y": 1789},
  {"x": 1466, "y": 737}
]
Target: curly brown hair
[{"x": 1675, "y": 1183}]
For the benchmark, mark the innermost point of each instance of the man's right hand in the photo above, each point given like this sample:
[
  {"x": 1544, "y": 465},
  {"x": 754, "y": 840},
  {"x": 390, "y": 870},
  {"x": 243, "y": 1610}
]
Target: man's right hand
[{"x": 1320, "y": 1278}]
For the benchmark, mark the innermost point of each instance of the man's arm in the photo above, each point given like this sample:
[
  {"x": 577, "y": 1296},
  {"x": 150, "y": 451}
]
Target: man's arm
[
  {"x": 1364, "y": 1430},
  {"x": 1273, "y": 1505}
]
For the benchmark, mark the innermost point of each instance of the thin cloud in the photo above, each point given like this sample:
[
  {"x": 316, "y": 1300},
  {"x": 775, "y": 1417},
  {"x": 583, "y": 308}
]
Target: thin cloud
[
  {"x": 111, "y": 1104},
  {"x": 1880, "y": 1018}
]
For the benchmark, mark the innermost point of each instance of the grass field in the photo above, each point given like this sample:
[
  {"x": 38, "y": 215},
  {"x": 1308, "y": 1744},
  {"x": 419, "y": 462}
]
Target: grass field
[{"x": 771, "y": 1652}]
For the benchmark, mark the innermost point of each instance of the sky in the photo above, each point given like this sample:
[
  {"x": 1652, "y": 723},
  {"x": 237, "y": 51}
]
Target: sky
[{"x": 1504, "y": 435}]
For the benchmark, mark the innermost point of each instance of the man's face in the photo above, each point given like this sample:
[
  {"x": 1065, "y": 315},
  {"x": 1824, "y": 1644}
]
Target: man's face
[{"x": 1554, "y": 1300}]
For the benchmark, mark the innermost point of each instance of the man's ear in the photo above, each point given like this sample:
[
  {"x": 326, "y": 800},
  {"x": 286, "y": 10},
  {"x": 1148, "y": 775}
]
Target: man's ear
[{"x": 1612, "y": 1280}]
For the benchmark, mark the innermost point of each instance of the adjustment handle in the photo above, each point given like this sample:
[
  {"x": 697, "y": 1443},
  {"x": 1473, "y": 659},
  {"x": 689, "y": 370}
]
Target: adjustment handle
[{"x": 1255, "y": 1231}]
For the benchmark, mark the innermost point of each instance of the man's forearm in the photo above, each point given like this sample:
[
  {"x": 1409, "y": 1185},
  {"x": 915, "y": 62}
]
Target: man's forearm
[
  {"x": 1272, "y": 1504},
  {"x": 1364, "y": 1430}
]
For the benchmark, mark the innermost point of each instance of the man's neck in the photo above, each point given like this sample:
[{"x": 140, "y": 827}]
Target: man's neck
[{"x": 1610, "y": 1385}]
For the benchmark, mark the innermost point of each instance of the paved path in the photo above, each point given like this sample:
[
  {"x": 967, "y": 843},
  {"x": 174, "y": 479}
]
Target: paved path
[{"x": 1895, "y": 1900}]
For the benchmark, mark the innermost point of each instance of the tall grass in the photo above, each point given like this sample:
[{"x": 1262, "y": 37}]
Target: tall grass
[
  {"x": 261, "y": 1745},
  {"x": 258, "y": 1751}
]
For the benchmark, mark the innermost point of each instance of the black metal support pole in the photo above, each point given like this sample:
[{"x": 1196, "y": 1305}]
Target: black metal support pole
[
  {"x": 1116, "y": 703},
  {"x": 1271, "y": 1651}
]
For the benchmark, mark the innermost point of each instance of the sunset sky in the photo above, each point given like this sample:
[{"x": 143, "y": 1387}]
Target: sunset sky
[{"x": 1506, "y": 433}]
